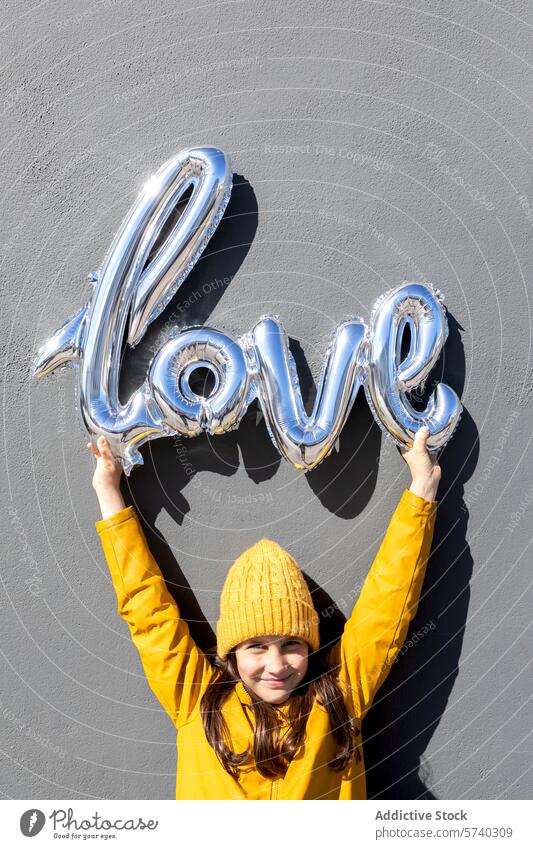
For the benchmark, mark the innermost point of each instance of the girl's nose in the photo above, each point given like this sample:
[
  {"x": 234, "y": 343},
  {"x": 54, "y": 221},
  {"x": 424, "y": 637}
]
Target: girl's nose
[{"x": 275, "y": 662}]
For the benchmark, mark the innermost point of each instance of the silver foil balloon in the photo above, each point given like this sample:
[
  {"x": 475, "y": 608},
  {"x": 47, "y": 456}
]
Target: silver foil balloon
[
  {"x": 132, "y": 289},
  {"x": 389, "y": 379},
  {"x": 150, "y": 257},
  {"x": 305, "y": 440}
]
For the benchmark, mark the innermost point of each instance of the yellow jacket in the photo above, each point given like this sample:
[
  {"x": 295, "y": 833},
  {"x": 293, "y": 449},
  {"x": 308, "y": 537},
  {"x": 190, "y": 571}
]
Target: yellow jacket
[{"x": 179, "y": 672}]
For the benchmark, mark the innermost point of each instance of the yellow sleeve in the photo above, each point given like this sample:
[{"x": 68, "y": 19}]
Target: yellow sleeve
[
  {"x": 377, "y": 627},
  {"x": 177, "y": 670}
]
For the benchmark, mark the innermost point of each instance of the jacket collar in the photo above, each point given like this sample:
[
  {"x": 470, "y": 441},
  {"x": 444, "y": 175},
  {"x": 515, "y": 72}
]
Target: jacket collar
[{"x": 242, "y": 693}]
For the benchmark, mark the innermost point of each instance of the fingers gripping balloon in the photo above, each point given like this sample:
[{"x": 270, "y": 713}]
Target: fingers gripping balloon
[{"x": 132, "y": 289}]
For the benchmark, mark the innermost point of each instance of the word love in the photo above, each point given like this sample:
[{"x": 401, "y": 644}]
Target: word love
[{"x": 142, "y": 272}]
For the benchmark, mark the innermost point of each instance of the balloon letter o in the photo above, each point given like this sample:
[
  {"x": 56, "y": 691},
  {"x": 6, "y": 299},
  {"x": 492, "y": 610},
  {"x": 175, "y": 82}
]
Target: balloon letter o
[{"x": 170, "y": 372}]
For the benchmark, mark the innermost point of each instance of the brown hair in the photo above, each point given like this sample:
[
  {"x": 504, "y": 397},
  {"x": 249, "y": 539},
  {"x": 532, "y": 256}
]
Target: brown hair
[{"x": 271, "y": 752}]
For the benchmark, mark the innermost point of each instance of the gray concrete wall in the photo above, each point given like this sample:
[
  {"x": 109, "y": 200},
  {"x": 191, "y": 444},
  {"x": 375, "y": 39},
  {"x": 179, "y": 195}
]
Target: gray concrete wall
[{"x": 373, "y": 142}]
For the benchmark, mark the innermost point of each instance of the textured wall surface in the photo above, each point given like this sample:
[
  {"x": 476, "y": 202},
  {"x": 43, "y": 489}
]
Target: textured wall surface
[{"x": 373, "y": 142}]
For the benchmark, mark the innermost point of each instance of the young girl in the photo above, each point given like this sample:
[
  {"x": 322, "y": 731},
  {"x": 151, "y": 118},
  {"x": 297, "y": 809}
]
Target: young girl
[{"x": 271, "y": 715}]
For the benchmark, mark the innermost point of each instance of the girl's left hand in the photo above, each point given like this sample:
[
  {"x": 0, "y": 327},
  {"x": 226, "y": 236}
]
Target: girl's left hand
[{"x": 425, "y": 470}]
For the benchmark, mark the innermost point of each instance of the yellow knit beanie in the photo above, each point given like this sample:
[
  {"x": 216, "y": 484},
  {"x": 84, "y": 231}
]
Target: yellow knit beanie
[{"x": 265, "y": 594}]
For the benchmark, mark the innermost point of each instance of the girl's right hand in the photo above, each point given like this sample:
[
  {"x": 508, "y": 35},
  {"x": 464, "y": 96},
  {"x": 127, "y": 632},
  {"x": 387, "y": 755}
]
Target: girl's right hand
[
  {"x": 108, "y": 471},
  {"x": 425, "y": 470}
]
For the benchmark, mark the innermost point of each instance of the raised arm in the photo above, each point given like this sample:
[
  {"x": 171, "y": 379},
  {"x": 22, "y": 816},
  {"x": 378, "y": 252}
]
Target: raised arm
[
  {"x": 176, "y": 669},
  {"x": 377, "y": 628},
  {"x": 378, "y": 625}
]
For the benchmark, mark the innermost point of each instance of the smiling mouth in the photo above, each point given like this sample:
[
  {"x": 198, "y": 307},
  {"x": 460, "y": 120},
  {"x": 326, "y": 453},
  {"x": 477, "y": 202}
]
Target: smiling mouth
[{"x": 275, "y": 680}]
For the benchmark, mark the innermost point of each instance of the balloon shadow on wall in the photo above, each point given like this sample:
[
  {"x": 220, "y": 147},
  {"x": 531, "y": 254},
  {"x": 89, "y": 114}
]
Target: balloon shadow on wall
[{"x": 409, "y": 706}]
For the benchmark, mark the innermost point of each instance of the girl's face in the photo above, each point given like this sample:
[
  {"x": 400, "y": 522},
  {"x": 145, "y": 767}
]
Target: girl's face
[{"x": 272, "y": 667}]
